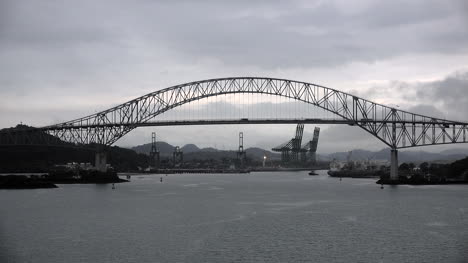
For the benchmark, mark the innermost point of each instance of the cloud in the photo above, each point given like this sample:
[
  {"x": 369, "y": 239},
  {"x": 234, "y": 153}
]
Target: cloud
[
  {"x": 63, "y": 59},
  {"x": 322, "y": 36},
  {"x": 449, "y": 93},
  {"x": 443, "y": 98},
  {"x": 427, "y": 109},
  {"x": 268, "y": 34}
]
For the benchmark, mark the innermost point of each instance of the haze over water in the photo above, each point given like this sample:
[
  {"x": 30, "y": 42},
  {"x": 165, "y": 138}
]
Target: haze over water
[{"x": 257, "y": 217}]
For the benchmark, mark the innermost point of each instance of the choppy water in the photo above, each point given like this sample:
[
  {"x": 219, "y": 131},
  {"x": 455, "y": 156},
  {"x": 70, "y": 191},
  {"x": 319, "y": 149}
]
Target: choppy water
[{"x": 261, "y": 217}]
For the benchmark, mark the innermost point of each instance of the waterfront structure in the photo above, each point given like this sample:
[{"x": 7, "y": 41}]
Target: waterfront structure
[
  {"x": 291, "y": 149},
  {"x": 241, "y": 154},
  {"x": 394, "y": 127},
  {"x": 154, "y": 153},
  {"x": 177, "y": 156},
  {"x": 309, "y": 150}
]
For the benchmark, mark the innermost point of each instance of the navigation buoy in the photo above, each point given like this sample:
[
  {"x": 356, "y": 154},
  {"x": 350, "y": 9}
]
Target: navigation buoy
[
  {"x": 113, "y": 186},
  {"x": 381, "y": 186},
  {"x": 340, "y": 178},
  {"x": 160, "y": 179}
]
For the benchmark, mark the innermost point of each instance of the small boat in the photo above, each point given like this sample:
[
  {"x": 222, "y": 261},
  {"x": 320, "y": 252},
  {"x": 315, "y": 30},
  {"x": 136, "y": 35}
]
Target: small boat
[{"x": 313, "y": 173}]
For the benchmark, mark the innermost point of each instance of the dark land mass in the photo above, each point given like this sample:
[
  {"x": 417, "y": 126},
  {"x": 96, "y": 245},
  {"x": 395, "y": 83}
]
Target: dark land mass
[
  {"x": 24, "y": 182},
  {"x": 58, "y": 177},
  {"x": 418, "y": 182},
  {"x": 453, "y": 173},
  {"x": 41, "y": 158},
  {"x": 83, "y": 177},
  {"x": 360, "y": 173}
]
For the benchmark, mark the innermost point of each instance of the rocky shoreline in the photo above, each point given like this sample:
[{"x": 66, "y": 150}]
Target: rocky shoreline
[
  {"x": 50, "y": 180},
  {"x": 419, "y": 182},
  {"x": 24, "y": 182}
]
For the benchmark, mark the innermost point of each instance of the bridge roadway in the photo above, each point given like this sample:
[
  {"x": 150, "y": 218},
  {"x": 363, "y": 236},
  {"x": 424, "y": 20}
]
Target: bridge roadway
[{"x": 238, "y": 121}]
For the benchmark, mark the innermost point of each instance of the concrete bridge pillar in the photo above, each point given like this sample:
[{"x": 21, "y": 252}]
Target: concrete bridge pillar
[
  {"x": 101, "y": 161},
  {"x": 394, "y": 164}
]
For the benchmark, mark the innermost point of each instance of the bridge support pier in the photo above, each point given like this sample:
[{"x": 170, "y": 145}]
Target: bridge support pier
[
  {"x": 101, "y": 161},
  {"x": 394, "y": 164}
]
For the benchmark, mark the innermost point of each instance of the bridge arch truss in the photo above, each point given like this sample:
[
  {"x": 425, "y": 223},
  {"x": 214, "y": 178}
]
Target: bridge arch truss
[{"x": 394, "y": 127}]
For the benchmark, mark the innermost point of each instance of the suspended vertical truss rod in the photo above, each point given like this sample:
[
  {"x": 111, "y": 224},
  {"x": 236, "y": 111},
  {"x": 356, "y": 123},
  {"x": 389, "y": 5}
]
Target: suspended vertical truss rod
[{"x": 396, "y": 128}]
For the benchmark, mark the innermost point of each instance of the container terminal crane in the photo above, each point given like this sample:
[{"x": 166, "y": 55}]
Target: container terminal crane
[{"x": 293, "y": 153}]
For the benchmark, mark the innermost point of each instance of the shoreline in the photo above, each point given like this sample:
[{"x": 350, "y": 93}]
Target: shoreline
[
  {"x": 399, "y": 182},
  {"x": 43, "y": 181}
]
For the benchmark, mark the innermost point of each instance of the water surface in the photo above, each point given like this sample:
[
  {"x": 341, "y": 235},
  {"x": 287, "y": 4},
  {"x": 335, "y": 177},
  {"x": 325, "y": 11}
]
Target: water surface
[{"x": 257, "y": 217}]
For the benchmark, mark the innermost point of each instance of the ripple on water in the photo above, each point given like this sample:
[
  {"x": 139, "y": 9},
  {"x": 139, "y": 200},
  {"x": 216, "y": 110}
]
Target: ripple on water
[
  {"x": 214, "y": 188},
  {"x": 191, "y": 185},
  {"x": 220, "y": 221},
  {"x": 349, "y": 219},
  {"x": 436, "y": 224}
]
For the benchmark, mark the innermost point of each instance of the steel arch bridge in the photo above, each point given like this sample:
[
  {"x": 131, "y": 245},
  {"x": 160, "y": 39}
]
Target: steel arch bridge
[{"x": 396, "y": 128}]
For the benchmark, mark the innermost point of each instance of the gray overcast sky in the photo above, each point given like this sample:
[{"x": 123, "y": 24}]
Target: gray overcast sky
[{"x": 61, "y": 60}]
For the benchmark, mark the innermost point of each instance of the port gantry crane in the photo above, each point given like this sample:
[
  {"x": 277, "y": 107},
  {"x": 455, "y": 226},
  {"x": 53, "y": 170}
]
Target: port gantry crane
[
  {"x": 310, "y": 148},
  {"x": 241, "y": 154},
  {"x": 177, "y": 156},
  {"x": 154, "y": 153},
  {"x": 290, "y": 150}
]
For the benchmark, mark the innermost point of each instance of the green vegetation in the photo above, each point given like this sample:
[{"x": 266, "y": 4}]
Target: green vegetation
[
  {"x": 425, "y": 173},
  {"x": 43, "y": 158},
  {"x": 456, "y": 169}
]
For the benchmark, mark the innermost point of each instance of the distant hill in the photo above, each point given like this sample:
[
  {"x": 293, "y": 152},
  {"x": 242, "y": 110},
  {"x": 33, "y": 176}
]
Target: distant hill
[
  {"x": 209, "y": 149},
  {"x": 191, "y": 151},
  {"x": 189, "y": 148},
  {"x": 209, "y": 155},
  {"x": 403, "y": 156},
  {"x": 258, "y": 153},
  {"x": 252, "y": 153},
  {"x": 163, "y": 148},
  {"x": 28, "y": 135},
  {"x": 455, "y": 151}
]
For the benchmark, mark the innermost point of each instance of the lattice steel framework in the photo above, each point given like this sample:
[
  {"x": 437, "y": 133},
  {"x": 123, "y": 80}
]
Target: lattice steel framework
[
  {"x": 154, "y": 152},
  {"x": 394, "y": 127},
  {"x": 290, "y": 150},
  {"x": 241, "y": 154},
  {"x": 311, "y": 147}
]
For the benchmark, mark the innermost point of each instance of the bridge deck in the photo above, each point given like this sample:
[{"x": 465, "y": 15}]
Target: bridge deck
[{"x": 237, "y": 121}]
